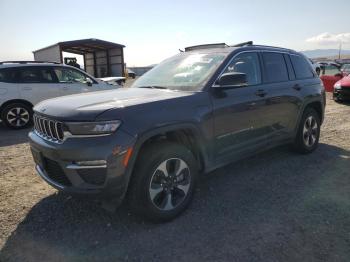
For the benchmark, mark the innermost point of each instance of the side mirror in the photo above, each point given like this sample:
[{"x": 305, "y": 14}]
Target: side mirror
[
  {"x": 89, "y": 82},
  {"x": 233, "y": 79}
]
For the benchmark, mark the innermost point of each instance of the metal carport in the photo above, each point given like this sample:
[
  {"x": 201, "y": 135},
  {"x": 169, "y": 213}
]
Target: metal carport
[{"x": 101, "y": 58}]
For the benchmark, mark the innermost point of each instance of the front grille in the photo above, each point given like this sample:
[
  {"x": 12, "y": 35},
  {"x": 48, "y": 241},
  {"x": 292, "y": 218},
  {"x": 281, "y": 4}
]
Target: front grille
[
  {"x": 55, "y": 172},
  {"x": 48, "y": 129}
]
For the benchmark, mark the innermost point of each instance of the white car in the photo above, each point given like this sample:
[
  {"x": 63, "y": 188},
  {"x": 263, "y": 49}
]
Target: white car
[
  {"x": 23, "y": 84},
  {"x": 114, "y": 80}
]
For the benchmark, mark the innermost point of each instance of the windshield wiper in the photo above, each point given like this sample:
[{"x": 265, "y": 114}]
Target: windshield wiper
[{"x": 153, "y": 87}]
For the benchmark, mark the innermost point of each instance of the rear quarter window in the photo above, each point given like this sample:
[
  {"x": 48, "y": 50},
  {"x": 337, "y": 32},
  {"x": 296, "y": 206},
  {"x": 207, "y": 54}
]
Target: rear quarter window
[
  {"x": 7, "y": 75},
  {"x": 301, "y": 66}
]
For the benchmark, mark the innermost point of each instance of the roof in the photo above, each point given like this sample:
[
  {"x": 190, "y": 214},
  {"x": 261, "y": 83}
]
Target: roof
[
  {"x": 31, "y": 64},
  {"x": 222, "y": 47},
  {"x": 84, "y": 45}
]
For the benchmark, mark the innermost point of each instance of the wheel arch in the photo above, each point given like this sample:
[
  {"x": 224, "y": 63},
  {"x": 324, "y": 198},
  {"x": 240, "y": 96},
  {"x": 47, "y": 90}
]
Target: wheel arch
[
  {"x": 317, "y": 106},
  {"x": 186, "y": 134},
  {"x": 13, "y": 101}
]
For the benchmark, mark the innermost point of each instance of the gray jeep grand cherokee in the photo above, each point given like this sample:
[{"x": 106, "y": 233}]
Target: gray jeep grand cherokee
[{"x": 194, "y": 112}]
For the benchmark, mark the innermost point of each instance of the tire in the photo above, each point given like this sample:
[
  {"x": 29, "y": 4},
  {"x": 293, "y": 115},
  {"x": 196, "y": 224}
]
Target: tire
[
  {"x": 17, "y": 115},
  {"x": 150, "y": 188},
  {"x": 336, "y": 99},
  {"x": 306, "y": 140}
]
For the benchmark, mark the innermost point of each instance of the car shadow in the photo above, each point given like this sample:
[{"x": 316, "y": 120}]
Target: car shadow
[
  {"x": 10, "y": 137},
  {"x": 276, "y": 206}
]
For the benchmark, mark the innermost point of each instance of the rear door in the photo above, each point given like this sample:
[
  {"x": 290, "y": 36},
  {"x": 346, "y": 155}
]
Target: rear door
[
  {"x": 36, "y": 83},
  {"x": 282, "y": 97}
]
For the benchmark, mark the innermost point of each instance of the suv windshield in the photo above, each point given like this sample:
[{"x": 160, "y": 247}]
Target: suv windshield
[{"x": 186, "y": 71}]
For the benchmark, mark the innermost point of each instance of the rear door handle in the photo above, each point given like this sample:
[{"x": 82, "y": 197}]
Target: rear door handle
[
  {"x": 260, "y": 93},
  {"x": 26, "y": 88},
  {"x": 297, "y": 87}
]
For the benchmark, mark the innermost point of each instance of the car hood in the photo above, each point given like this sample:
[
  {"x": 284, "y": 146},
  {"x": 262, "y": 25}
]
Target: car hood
[
  {"x": 345, "y": 81},
  {"x": 87, "y": 106}
]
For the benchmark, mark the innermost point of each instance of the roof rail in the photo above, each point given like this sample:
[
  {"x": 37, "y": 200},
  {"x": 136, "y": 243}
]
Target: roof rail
[
  {"x": 243, "y": 44},
  {"x": 205, "y": 46},
  {"x": 28, "y": 62},
  {"x": 270, "y": 46}
]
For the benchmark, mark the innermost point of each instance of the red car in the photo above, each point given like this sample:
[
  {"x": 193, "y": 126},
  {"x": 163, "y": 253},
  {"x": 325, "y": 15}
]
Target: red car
[
  {"x": 342, "y": 89},
  {"x": 330, "y": 74}
]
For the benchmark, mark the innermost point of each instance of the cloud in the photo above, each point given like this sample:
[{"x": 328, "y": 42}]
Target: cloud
[{"x": 328, "y": 38}]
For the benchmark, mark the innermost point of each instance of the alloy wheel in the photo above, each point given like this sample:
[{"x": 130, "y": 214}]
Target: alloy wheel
[
  {"x": 310, "y": 131},
  {"x": 18, "y": 116},
  {"x": 170, "y": 184}
]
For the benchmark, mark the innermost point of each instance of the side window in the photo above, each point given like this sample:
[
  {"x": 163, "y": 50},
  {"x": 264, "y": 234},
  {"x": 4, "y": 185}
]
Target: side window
[
  {"x": 67, "y": 75},
  {"x": 247, "y": 63},
  {"x": 301, "y": 67},
  {"x": 35, "y": 75},
  {"x": 7, "y": 75},
  {"x": 275, "y": 67}
]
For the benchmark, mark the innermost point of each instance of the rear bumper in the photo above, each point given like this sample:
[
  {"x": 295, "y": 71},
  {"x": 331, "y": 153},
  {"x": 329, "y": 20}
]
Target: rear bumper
[{"x": 86, "y": 166}]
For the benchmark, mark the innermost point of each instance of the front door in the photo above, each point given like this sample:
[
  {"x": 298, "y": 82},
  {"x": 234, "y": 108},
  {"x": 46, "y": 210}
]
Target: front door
[
  {"x": 238, "y": 120},
  {"x": 71, "y": 81}
]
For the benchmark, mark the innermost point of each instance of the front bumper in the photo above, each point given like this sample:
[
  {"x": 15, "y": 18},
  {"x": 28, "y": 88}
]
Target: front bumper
[
  {"x": 341, "y": 93},
  {"x": 67, "y": 166}
]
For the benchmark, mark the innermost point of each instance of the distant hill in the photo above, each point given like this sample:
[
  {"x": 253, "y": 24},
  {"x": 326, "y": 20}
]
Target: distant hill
[{"x": 324, "y": 53}]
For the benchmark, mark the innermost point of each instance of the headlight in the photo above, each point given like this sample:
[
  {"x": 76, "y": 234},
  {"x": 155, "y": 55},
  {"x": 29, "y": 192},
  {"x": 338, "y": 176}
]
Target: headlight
[
  {"x": 337, "y": 85},
  {"x": 93, "y": 128}
]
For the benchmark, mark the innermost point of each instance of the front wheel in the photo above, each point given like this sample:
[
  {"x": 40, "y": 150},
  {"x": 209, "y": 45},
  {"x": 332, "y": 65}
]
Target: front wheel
[
  {"x": 308, "y": 134},
  {"x": 163, "y": 182}
]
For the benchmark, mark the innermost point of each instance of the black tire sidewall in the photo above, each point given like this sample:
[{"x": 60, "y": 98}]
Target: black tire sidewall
[
  {"x": 145, "y": 167},
  {"x": 11, "y": 106}
]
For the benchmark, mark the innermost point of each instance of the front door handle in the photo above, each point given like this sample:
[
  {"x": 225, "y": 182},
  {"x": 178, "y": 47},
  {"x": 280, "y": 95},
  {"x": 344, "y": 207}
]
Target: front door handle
[
  {"x": 297, "y": 87},
  {"x": 260, "y": 93},
  {"x": 26, "y": 88}
]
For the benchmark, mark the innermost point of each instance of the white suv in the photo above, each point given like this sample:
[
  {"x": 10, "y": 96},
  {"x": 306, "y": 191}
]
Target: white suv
[{"x": 25, "y": 83}]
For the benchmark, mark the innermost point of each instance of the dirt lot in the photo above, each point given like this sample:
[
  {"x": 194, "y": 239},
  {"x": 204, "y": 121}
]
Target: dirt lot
[{"x": 276, "y": 206}]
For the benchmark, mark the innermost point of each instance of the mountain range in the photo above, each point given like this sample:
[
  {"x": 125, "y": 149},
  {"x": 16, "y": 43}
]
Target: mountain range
[{"x": 324, "y": 53}]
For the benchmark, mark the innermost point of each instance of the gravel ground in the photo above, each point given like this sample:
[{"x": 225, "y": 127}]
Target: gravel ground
[{"x": 276, "y": 206}]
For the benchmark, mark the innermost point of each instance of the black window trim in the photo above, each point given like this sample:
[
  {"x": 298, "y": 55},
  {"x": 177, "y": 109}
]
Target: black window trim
[
  {"x": 311, "y": 70},
  {"x": 264, "y": 67},
  {"x": 214, "y": 85},
  {"x": 14, "y": 79},
  {"x": 41, "y": 67}
]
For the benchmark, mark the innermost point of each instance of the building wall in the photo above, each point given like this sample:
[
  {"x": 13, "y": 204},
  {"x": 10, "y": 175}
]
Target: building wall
[{"x": 51, "y": 54}]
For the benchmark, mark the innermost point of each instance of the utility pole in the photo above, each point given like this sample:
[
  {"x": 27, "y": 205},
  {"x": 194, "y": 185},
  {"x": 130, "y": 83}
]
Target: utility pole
[{"x": 339, "y": 50}]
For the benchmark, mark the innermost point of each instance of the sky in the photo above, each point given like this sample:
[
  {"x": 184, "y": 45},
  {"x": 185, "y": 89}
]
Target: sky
[{"x": 155, "y": 30}]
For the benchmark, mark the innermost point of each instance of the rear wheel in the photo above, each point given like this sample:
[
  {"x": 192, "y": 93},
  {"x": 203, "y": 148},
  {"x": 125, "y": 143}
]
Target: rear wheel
[
  {"x": 17, "y": 115},
  {"x": 163, "y": 182},
  {"x": 308, "y": 134}
]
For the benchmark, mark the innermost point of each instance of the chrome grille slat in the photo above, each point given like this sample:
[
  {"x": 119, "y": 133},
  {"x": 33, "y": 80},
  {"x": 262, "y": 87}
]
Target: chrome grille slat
[{"x": 48, "y": 129}]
